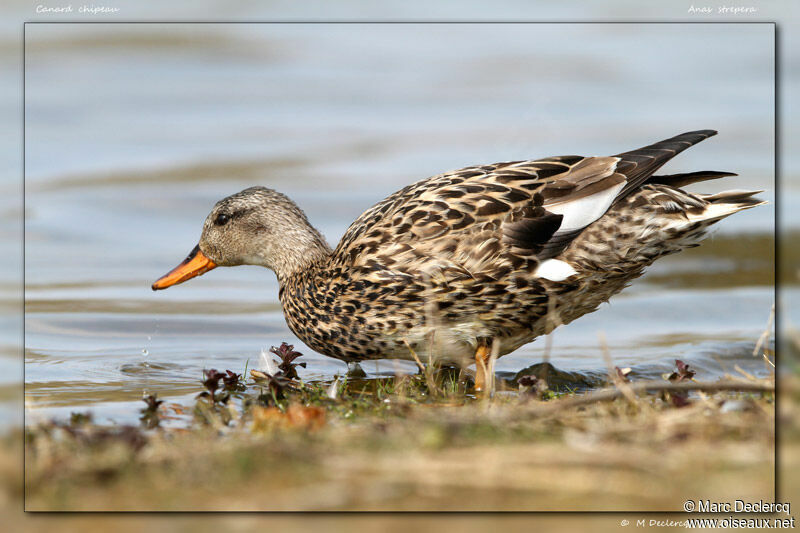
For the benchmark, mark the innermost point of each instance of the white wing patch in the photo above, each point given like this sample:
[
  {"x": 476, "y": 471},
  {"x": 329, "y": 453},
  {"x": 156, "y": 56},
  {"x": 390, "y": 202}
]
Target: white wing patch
[
  {"x": 554, "y": 270},
  {"x": 581, "y": 212}
]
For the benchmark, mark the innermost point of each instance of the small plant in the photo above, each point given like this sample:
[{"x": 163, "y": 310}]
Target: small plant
[
  {"x": 277, "y": 378},
  {"x": 80, "y": 419},
  {"x": 276, "y": 385},
  {"x": 211, "y": 379},
  {"x": 287, "y": 355},
  {"x": 233, "y": 382},
  {"x": 533, "y": 387},
  {"x": 150, "y": 418},
  {"x": 682, "y": 373},
  {"x": 152, "y": 402}
]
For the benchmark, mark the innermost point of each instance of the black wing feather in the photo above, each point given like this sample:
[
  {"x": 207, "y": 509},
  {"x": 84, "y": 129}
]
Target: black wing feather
[{"x": 638, "y": 165}]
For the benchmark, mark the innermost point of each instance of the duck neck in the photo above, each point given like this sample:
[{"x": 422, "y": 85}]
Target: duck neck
[{"x": 298, "y": 251}]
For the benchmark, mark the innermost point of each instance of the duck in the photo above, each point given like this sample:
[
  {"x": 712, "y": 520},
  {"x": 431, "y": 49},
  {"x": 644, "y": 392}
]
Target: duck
[{"x": 469, "y": 265}]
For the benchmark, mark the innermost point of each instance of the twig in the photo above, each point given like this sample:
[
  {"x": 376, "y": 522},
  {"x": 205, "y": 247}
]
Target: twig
[
  {"x": 766, "y": 334},
  {"x": 763, "y": 340},
  {"x": 744, "y": 372},
  {"x": 619, "y": 384},
  {"x": 430, "y": 322},
  {"x": 554, "y": 318},
  {"x": 426, "y": 371},
  {"x": 607, "y": 395},
  {"x": 414, "y": 355}
]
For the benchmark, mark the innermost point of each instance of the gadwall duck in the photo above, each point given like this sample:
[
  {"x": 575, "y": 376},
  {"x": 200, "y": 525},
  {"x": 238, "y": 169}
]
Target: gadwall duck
[{"x": 471, "y": 263}]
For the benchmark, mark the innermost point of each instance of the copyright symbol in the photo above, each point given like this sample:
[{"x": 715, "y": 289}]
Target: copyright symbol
[{"x": 688, "y": 506}]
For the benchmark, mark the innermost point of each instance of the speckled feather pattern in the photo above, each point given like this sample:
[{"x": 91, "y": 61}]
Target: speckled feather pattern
[
  {"x": 450, "y": 260},
  {"x": 486, "y": 255}
]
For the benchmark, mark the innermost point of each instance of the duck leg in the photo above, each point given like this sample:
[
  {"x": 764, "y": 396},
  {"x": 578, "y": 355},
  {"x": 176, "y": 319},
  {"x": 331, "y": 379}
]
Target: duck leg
[
  {"x": 354, "y": 370},
  {"x": 482, "y": 355}
]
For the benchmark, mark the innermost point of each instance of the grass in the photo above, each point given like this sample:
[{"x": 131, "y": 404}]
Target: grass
[{"x": 418, "y": 442}]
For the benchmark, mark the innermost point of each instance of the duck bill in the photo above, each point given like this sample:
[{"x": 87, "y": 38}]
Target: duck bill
[{"x": 196, "y": 264}]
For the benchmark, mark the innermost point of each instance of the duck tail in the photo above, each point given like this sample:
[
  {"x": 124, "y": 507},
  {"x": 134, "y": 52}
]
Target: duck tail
[
  {"x": 688, "y": 178},
  {"x": 725, "y": 203}
]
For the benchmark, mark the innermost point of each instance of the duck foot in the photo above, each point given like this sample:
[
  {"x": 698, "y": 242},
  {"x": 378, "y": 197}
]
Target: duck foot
[{"x": 354, "y": 370}]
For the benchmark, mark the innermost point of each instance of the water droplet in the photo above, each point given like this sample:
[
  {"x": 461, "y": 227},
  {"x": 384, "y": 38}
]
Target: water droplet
[{"x": 145, "y": 353}]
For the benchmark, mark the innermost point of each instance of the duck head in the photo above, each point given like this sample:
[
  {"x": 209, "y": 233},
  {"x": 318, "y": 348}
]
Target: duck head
[{"x": 257, "y": 226}]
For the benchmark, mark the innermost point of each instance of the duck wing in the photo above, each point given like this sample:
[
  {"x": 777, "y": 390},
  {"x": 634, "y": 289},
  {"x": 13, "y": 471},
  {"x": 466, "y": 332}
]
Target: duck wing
[{"x": 494, "y": 218}]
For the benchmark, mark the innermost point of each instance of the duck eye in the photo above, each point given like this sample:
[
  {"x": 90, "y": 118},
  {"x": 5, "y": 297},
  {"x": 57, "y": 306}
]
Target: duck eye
[{"x": 221, "y": 219}]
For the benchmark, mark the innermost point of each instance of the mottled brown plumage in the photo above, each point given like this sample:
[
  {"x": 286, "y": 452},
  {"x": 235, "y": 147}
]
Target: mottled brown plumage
[{"x": 486, "y": 255}]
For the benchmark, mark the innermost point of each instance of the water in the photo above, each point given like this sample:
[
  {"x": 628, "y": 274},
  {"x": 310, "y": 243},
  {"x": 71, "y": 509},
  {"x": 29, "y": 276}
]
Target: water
[{"x": 134, "y": 131}]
